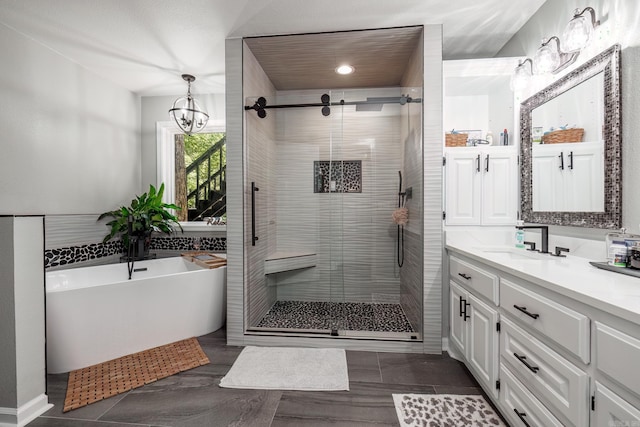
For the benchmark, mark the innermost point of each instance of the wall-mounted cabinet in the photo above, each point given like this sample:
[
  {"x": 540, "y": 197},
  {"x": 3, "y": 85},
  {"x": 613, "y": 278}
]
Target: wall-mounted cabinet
[{"x": 481, "y": 186}]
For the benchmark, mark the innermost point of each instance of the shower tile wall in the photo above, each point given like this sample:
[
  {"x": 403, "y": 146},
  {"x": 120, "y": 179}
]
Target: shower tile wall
[
  {"x": 352, "y": 233},
  {"x": 411, "y": 273},
  {"x": 260, "y": 154}
]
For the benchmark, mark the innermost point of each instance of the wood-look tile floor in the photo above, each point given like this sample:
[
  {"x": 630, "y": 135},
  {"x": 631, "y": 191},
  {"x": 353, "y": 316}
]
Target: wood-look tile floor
[{"x": 194, "y": 399}]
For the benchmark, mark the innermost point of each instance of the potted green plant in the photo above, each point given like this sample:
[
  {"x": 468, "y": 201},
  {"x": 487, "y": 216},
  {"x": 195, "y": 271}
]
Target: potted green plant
[{"x": 135, "y": 223}]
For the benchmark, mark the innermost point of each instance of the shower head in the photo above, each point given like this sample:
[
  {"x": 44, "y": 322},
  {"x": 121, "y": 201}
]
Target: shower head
[{"x": 376, "y": 103}]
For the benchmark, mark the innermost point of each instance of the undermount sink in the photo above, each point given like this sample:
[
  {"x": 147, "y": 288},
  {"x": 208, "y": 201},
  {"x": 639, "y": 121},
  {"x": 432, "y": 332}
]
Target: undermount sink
[{"x": 515, "y": 254}]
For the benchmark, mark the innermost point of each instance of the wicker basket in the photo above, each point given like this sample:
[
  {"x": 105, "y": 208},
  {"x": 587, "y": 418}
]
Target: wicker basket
[
  {"x": 563, "y": 135},
  {"x": 455, "y": 139}
]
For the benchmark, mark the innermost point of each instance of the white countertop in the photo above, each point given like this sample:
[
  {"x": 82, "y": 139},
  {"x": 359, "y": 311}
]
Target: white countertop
[{"x": 572, "y": 276}]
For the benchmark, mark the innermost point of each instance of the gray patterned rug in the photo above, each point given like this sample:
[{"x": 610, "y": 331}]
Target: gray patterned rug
[{"x": 444, "y": 410}]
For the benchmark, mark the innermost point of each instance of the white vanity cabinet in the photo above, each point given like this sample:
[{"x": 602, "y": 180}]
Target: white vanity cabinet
[
  {"x": 481, "y": 185},
  {"x": 557, "y": 361},
  {"x": 474, "y": 327},
  {"x": 568, "y": 177}
]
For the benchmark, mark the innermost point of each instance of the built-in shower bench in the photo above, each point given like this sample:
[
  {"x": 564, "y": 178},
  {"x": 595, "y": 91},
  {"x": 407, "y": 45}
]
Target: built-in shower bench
[{"x": 287, "y": 261}]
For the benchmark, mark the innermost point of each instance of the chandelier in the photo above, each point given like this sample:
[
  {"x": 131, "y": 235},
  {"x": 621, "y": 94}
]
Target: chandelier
[{"x": 187, "y": 112}]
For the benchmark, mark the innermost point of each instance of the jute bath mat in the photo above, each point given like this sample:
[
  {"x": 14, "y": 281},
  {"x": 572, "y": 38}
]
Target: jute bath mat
[
  {"x": 444, "y": 410},
  {"x": 98, "y": 382}
]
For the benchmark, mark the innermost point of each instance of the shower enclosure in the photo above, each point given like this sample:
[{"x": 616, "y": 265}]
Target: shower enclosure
[{"x": 322, "y": 182}]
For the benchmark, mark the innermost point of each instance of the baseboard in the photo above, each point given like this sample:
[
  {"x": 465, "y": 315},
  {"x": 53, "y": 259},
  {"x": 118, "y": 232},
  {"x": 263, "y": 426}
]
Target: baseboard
[{"x": 11, "y": 417}]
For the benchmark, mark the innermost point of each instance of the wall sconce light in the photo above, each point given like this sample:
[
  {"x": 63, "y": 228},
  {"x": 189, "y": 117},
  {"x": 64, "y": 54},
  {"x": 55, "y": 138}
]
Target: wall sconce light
[
  {"x": 579, "y": 30},
  {"x": 522, "y": 75},
  {"x": 186, "y": 111},
  {"x": 552, "y": 57}
]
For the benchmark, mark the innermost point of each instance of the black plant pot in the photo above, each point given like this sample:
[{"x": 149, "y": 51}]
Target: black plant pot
[{"x": 140, "y": 247}]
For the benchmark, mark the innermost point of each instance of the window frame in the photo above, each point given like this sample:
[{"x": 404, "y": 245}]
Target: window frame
[{"x": 166, "y": 132}]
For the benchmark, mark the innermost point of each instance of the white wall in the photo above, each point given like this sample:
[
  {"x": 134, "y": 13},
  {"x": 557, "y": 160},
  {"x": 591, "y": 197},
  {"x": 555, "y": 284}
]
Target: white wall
[
  {"x": 70, "y": 139},
  {"x": 156, "y": 109},
  {"x": 619, "y": 24}
]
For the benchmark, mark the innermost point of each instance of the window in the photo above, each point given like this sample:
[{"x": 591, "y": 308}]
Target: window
[{"x": 193, "y": 169}]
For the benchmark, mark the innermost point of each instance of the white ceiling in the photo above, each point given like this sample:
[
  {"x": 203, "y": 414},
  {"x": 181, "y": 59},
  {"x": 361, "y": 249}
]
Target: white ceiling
[{"x": 145, "y": 45}]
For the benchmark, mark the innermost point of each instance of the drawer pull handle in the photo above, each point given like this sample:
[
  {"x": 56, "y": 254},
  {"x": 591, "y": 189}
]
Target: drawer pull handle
[
  {"x": 464, "y": 276},
  {"x": 466, "y": 304},
  {"x": 461, "y": 309},
  {"x": 523, "y": 359},
  {"x": 521, "y": 415},
  {"x": 524, "y": 310}
]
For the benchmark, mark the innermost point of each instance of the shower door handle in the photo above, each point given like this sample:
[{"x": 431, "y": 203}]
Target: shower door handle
[{"x": 254, "y": 238}]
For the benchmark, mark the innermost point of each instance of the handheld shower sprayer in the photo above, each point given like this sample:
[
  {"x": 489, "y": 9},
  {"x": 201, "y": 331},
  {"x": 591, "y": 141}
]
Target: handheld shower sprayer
[{"x": 400, "y": 217}]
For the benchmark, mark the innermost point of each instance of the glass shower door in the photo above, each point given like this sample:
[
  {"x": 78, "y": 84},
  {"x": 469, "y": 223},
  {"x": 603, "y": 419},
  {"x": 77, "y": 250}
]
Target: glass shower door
[{"x": 335, "y": 224}]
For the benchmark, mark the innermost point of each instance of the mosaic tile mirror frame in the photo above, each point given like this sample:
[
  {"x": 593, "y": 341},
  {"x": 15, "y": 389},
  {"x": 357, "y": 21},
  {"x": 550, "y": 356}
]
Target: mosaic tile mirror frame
[{"x": 607, "y": 62}]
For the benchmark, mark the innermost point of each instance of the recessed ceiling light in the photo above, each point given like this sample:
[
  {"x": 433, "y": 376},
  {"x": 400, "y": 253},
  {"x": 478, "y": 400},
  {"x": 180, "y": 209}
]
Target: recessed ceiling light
[{"x": 345, "y": 69}]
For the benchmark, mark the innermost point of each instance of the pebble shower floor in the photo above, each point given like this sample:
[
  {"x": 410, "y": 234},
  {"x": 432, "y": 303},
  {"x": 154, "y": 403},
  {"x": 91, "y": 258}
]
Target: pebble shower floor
[{"x": 352, "y": 316}]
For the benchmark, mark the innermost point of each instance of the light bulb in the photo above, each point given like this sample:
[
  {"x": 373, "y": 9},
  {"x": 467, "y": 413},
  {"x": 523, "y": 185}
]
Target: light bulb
[
  {"x": 577, "y": 34},
  {"x": 546, "y": 59}
]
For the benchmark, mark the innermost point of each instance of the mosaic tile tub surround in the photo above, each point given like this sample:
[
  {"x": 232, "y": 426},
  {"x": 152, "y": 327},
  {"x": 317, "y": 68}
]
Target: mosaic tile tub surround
[{"x": 73, "y": 254}]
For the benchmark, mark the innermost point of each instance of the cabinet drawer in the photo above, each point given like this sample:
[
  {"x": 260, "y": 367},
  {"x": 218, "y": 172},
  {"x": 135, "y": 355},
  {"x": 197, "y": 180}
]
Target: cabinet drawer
[
  {"x": 480, "y": 281},
  {"x": 568, "y": 328},
  {"x": 520, "y": 407},
  {"x": 552, "y": 379},
  {"x": 617, "y": 355}
]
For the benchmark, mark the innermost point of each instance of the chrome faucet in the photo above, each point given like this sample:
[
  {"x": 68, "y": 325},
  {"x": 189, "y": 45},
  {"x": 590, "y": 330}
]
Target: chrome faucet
[{"x": 544, "y": 233}]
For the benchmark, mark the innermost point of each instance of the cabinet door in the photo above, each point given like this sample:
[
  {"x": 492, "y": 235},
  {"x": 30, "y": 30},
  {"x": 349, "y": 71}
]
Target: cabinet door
[
  {"x": 499, "y": 187},
  {"x": 584, "y": 177},
  {"x": 457, "y": 324},
  {"x": 547, "y": 178},
  {"x": 482, "y": 342},
  {"x": 463, "y": 187},
  {"x": 612, "y": 410}
]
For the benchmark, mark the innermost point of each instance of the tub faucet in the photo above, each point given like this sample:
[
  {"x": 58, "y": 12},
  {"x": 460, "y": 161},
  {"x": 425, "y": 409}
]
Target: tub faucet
[{"x": 544, "y": 233}]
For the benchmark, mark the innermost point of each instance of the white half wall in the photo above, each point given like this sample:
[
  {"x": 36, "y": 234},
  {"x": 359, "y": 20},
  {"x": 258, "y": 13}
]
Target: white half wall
[{"x": 70, "y": 139}]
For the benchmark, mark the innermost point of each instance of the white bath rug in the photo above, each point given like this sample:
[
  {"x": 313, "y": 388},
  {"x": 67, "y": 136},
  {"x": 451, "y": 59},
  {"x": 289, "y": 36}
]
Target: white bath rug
[
  {"x": 444, "y": 410},
  {"x": 286, "y": 368}
]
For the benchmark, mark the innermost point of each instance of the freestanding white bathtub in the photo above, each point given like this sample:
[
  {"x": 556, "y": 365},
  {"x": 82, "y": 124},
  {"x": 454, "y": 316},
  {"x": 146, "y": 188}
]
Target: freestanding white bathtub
[{"x": 95, "y": 314}]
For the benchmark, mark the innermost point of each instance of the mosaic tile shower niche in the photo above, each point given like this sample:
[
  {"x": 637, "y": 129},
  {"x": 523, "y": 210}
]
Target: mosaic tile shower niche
[{"x": 337, "y": 176}]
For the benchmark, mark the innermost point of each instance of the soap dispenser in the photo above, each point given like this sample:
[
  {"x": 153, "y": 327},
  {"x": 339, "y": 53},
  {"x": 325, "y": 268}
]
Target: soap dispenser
[
  {"x": 519, "y": 234},
  {"x": 489, "y": 137}
]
